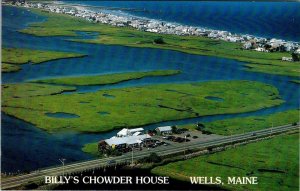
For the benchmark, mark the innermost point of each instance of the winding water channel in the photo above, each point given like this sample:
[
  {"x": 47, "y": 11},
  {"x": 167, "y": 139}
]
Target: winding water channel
[{"x": 25, "y": 147}]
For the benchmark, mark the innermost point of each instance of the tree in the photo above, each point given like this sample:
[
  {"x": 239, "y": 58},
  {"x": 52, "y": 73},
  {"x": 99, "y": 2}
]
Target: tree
[
  {"x": 200, "y": 127},
  {"x": 267, "y": 46},
  {"x": 159, "y": 40},
  {"x": 153, "y": 157},
  {"x": 152, "y": 131},
  {"x": 295, "y": 57},
  {"x": 174, "y": 129}
]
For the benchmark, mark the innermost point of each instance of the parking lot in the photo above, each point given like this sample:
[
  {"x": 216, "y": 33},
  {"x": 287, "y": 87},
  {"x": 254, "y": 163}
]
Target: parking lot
[{"x": 173, "y": 140}]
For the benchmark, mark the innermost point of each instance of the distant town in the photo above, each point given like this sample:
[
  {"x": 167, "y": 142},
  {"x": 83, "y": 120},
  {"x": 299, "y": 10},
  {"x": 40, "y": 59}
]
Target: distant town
[{"x": 249, "y": 42}]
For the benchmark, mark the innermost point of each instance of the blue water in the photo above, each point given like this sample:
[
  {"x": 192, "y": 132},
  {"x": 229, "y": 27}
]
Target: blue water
[
  {"x": 25, "y": 147},
  {"x": 62, "y": 115},
  {"x": 265, "y": 19},
  {"x": 103, "y": 113},
  {"x": 214, "y": 98}
]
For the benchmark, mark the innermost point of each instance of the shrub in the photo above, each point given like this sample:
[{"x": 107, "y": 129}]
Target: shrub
[
  {"x": 159, "y": 41},
  {"x": 152, "y": 158},
  {"x": 200, "y": 127}
]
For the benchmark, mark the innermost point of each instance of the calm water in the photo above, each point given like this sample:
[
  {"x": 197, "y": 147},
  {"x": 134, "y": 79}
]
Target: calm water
[
  {"x": 266, "y": 19},
  {"x": 62, "y": 115},
  {"x": 25, "y": 147}
]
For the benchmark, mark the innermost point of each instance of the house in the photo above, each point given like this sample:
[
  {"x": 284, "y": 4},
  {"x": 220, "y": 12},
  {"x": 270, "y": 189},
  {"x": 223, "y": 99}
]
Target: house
[
  {"x": 260, "y": 49},
  {"x": 289, "y": 59},
  {"x": 247, "y": 45},
  {"x": 164, "y": 130}
]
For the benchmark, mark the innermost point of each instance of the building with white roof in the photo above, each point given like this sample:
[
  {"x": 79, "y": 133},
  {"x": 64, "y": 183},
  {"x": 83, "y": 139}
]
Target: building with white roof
[
  {"x": 164, "y": 130},
  {"x": 126, "y": 141},
  {"x": 129, "y": 132}
]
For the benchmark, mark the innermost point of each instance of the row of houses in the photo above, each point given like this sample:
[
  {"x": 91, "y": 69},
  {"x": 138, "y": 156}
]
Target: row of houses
[{"x": 156, "y": 26}]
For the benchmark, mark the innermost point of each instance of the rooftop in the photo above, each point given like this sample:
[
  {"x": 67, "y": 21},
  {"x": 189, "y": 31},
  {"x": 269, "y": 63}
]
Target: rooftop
[
  {"x": 126, "y": 140},
  {"x": 165, "y": 128}
]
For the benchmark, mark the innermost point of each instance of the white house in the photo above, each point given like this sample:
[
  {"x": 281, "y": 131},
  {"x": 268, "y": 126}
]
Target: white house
[{"x": 289, "y": 59}]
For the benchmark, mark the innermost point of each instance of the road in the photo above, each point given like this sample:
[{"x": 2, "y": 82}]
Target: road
[{"x": 15, "y": 181}]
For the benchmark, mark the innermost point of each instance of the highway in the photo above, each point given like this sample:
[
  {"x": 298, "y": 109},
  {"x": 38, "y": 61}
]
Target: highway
[{"x": 16, "y": 181}]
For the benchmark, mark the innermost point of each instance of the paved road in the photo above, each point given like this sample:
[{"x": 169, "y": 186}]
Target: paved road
[{"x": 162, "y": 151}]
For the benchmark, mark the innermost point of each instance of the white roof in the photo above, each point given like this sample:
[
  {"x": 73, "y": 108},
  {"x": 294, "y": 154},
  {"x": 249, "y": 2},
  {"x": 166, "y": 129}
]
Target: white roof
[
  {"x": 165, "y": 128},
  {"x": 126, "y": 132},
  {"x": 126, "y": 140},
  {"x": 136, "y": 130},
  {"x": 136, "y": 133},
  {"x": 123, "y": 132}
]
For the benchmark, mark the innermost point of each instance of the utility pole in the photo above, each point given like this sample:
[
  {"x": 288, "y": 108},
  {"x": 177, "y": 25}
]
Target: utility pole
[
  {"x": 132, "y": 155},
  {"x": 271, "y": 130},
  {"x": 184, "y": 145},
  {"x": 63, "y": 163},
  {"x": 231, "y": 139}
]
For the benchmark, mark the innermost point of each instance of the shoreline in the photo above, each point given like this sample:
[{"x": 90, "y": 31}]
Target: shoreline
[
  {"x": 105, "y": 8},
  {"x": 82, "y": 6},
  {"x": 250, "y": 42}
]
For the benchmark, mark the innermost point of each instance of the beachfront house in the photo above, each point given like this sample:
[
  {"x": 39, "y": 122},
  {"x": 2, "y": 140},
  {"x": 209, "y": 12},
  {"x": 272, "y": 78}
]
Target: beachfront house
[{"x": 289, "y": 59}]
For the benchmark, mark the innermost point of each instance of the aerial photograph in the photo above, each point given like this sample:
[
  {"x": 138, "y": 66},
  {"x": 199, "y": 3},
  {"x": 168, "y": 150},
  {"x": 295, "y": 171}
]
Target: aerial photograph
[{"x": 150, "y": 95}]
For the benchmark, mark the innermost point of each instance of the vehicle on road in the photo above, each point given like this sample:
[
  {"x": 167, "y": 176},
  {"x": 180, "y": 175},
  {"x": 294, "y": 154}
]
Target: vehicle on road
[{"x": 111, "y": 162}]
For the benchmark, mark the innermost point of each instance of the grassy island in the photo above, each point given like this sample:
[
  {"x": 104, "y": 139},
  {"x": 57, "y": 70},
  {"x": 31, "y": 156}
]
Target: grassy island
[
  {"x": 275, "y": 162},
  {"x": 13, "y": 57},
  {"x": 15, "y": 91},
  {"x": 65, "y": 25},
  {"x": 105, "y": 110},
  {"x": 296, "y": 81},
  {"x": 9, "y": 67},
  {"x": 106, "y": 79},
  {"x": 247, "y": 124}
]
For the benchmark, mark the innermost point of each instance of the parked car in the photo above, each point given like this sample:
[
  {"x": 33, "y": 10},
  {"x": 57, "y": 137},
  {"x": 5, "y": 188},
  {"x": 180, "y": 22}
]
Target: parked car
[
  {"x": 170, "y": 137},
  {"x": 179, "y": 140},
  {"x": 111, "y": 162}
]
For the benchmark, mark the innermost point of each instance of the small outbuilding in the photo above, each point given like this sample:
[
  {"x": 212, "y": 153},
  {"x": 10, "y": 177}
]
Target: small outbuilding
[{"x": 164, "y": 130}]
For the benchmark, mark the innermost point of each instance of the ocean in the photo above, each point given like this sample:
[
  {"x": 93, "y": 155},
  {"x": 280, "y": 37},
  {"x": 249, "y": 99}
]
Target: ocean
[{"x": 263, "y": 19}]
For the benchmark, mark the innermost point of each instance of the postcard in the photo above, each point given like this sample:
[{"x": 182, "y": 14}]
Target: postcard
[{"x": 150, "y": 95}]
